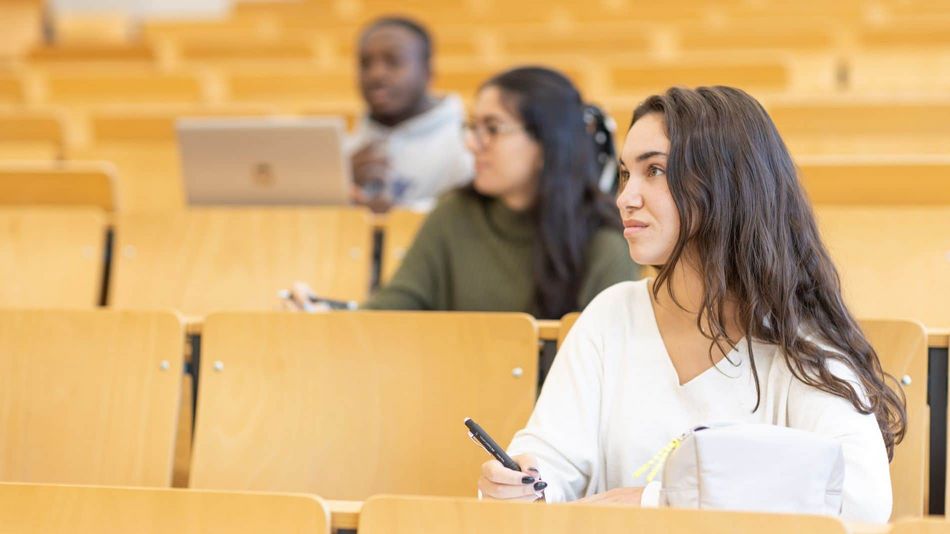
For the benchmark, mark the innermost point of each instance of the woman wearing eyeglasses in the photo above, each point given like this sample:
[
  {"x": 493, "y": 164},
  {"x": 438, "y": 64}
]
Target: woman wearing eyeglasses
[{"x": 532, "y": 233}]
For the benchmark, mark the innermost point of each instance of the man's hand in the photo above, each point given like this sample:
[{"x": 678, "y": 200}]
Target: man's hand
[{"x": 370, "y": 164}]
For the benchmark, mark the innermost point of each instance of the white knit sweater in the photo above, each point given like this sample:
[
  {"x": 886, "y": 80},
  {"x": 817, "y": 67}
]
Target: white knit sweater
[{"x": 612, "y": 399}]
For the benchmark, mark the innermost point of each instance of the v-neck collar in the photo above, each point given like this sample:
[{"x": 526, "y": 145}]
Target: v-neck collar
[{"x": 732, "y": 365}]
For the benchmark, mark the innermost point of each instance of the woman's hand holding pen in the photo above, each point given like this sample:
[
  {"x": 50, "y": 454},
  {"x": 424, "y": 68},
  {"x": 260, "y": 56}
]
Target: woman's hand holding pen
[
  {"x": 499, "y": 482},
  {"x": 301, "y": 298}
]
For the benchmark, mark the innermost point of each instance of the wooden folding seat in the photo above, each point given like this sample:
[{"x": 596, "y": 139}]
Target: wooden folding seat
[
  {"x": 399, "y": 231},
  {"x": 97, "y": 509},
  {"x": 208, "y": 259},
  {"x": 32, "y": 135},
  {"x": 351, "y": 404},
  {"x": 39, "y": 244},
  {"x": 89, "y": 397},
  {"x": 402, "y": 515},
  {"x": 89, "y": 184}
]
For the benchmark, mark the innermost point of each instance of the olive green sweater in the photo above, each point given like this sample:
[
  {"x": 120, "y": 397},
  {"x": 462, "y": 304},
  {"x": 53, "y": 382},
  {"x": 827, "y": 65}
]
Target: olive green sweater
[{"x": 473, "y": 254}]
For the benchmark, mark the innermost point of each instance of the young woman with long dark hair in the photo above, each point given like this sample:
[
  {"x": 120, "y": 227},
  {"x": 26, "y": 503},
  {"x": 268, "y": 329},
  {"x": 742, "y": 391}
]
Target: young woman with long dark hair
[
  {"x": 744, "y": 321},
  {"x": 533, "y": 232}
]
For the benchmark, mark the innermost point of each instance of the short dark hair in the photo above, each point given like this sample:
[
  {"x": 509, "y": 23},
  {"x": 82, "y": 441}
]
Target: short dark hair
[{"x": 412, "y": 26}]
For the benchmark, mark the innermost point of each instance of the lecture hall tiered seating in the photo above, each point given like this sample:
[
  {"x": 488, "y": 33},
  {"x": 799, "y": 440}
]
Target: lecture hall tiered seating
[{"x": 149, "y": 377}]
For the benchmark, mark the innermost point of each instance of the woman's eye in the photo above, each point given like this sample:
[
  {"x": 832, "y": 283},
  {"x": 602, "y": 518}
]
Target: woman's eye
[
  {"x": 654, "y": 171},
  {"x": 491, "y": 129}
]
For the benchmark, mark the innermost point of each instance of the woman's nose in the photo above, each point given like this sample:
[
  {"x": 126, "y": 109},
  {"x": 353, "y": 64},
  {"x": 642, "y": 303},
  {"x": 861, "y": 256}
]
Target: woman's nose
[
  {"x": 630, "y": 197},
  {"x": 472, "y": 142}
]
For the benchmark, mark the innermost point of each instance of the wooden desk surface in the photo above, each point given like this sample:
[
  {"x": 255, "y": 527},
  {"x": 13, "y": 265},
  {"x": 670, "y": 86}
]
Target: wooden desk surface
[
  {"x": 194, "y": 324},
  {"x": 344, "y": 514},
  {"x": 866, "y": 528},
  {"x": 548, "y": 331},
  {"x": 938, "y": 338}
]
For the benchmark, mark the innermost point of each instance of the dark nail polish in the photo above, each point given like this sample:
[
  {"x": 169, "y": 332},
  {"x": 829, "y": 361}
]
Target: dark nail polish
[
  {"x": 540, "y": 485},
  {"x": 527, "y": 480}
]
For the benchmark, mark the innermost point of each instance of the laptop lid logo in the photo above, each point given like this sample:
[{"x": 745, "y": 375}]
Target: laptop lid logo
[{"x": 263, "y": 175}]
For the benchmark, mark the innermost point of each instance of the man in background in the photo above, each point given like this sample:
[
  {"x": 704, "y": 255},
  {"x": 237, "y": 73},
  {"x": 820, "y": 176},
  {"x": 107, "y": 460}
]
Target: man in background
[{"x": 408, "y": 148}]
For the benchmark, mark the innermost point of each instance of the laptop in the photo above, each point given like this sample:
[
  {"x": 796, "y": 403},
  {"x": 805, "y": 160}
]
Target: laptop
[{"x": 264, "y": 160}]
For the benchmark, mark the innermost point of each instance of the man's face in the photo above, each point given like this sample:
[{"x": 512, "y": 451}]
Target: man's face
[{"x": 393, "y": 72}]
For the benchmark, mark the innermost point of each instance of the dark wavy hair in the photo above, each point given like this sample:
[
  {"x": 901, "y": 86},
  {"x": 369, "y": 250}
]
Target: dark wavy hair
[
  {"x": 569, "y": 207},
  {"x": 747, "y": 225}
]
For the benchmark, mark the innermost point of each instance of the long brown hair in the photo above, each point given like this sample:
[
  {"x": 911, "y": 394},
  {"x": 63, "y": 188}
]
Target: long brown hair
[{"x": 747, "y": 225}]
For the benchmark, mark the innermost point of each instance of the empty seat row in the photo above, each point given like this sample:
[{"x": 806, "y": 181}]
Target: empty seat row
[
  {"x": 343, "y": 405},
  {"x": 892, "y": 258},
  {"x": 24, "y": 508},
  {"x": 142, "y": 138}
]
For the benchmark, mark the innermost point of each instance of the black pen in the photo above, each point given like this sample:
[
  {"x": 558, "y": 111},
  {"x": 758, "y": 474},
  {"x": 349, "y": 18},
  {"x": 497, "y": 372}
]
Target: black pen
[{"x": 482, "y": 438}]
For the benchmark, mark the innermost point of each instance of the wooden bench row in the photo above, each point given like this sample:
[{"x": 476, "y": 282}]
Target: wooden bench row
[
  {"x": 893, "y": 259},
  {"x": 81, "y": 510},
  {"x": 343, "y": 405}
]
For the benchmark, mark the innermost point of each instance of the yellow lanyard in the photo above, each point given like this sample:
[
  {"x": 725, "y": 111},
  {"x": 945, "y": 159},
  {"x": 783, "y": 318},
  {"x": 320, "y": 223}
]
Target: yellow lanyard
[{"x": 658, "y": 459}]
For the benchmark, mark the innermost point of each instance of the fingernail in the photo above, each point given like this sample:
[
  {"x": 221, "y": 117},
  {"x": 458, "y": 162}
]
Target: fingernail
[
  {"x": 540, "y": 485},
  {"x": 527, "y": 480}
]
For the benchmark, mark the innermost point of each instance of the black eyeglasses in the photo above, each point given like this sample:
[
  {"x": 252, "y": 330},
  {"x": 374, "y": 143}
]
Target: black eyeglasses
[{"x": 486, "y": 132}]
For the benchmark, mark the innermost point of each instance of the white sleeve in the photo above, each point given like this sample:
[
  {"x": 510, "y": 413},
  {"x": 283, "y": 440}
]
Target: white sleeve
[
  {"x": 563, "y": 429},
  {"x": 867, "y": 480}
]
